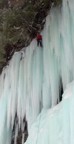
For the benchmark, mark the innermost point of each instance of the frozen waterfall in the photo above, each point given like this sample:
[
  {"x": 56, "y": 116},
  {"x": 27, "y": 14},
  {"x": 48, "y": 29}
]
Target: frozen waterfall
[{"x": 32, "y": 82}]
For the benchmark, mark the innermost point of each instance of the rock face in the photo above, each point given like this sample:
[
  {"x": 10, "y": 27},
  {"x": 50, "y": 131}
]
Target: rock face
[
  {"x": 20, "y": 132},
  {"x": 19, "y": 23}
]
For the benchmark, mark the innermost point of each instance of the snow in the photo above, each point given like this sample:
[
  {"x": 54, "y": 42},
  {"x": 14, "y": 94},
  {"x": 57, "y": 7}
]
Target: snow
[{"x": 55, "y": 126}]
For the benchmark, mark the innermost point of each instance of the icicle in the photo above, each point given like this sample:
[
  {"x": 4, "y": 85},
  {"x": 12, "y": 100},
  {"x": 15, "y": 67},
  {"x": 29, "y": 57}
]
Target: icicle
[
  {"x": 23, "y": 138},
  {"x": 16, "y": 134}
]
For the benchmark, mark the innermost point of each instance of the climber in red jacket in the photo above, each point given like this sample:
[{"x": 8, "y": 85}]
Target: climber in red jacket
[{"x": 39, "y": 40}]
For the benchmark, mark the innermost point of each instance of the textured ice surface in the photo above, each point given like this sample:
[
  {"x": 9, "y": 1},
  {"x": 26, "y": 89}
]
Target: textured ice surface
[
  {"x": 31, "y": 82},
  {"x": 56, "y": 125}
]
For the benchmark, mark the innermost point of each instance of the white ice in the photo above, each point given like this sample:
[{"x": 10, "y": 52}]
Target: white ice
[
  {"x": 56, "y": 125},
  {"x": 31, "y": 82}
]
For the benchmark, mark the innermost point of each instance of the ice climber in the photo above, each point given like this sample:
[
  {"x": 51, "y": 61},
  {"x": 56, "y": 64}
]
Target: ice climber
[{"x": 39, "y": 40}]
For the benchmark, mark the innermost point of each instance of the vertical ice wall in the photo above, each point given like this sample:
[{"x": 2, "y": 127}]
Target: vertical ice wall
[{"x": 31, "y": 81}]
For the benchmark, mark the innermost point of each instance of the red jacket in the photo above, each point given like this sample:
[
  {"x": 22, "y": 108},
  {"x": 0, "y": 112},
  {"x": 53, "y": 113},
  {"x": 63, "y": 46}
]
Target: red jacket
[{"x": 39, "y": 37}]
